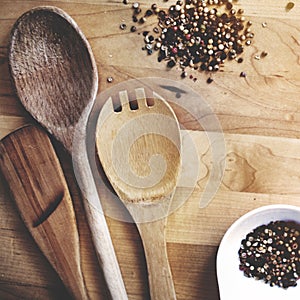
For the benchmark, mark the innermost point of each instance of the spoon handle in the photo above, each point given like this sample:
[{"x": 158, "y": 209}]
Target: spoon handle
[
  {"x": 105, "y": 252},
  {"x": 99, "y": 229},
  {"x": 159, "y": 272},
  {"x": 35, "y": 178}
]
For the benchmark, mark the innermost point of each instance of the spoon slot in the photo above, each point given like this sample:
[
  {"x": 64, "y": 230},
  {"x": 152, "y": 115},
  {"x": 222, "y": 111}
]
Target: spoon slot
[
  {"x": 150, "y": 102},
  {"x": 116, "y": 103},
  {"x": 141, "y": 95},
  {"x": 133, "y": 104}
]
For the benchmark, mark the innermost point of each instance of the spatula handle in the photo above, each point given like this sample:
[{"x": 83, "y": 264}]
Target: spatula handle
[
  {"x": 159, "y": 272},
  {"x": 35, "y": 178}
]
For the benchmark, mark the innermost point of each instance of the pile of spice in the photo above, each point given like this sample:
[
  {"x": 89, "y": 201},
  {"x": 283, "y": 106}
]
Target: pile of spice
[
  {"x": 199, "y": 34},
  {"x": 272, "y": 253}
]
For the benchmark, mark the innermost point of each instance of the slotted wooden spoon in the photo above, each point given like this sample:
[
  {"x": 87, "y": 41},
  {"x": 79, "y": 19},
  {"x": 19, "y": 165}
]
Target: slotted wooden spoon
[
  {"x": 55, "y": 76},
  {"x": 35, "y": 178},
  {"x": 139, "y": 150}
]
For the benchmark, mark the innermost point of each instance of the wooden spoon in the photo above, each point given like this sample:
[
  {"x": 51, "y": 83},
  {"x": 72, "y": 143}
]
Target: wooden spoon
[
  {"x": 36, "y": 181},
  {"x": 55, "y": 76},
  {"x": 126, "y": 141}
]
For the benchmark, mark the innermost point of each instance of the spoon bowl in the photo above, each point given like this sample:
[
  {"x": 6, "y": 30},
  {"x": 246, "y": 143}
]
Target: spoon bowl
[
  {"x": 139, "y": 148},
  {"x": 53, "y": 69},
  {"x": 233, "y": 285}
]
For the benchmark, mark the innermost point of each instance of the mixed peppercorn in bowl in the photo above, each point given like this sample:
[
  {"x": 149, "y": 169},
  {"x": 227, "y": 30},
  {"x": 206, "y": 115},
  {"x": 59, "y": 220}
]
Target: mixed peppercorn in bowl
[{"x": 260, "y": 253}]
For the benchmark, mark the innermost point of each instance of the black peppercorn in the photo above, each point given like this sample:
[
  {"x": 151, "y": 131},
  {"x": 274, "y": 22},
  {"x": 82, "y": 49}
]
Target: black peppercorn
[
  {"x": 171, "y": 63},
  {"x": 137, "y": 11},
  {"x": 151, "y": 38},
  {"x": 148, "y": 13},
  {"x": 133, "y": 29},
  {"x": 198, "y": 35},
  {"x": 183, "y": 74},
  {"x": 209, "y": 80},
  {"x": 142, "y": 20},
  {"x": 203, "y": 67},
  {"x": 268, "y": 253},
  {"x": 162, "y": 15},
  {"x": 154, "y": 7},
  {"x": 123, "y": 26}
]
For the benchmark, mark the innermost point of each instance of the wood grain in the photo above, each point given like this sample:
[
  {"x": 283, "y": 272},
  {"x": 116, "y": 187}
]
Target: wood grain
[{"x": 259, "y": 115}]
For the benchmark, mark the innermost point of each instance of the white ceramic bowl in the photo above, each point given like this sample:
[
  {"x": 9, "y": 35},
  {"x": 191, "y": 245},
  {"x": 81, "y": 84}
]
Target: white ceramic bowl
[{"x": 233, "y": 285}]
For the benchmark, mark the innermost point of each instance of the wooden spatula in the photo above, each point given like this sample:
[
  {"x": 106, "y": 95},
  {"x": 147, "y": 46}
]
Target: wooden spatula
[{"x": 35, "y": 178}]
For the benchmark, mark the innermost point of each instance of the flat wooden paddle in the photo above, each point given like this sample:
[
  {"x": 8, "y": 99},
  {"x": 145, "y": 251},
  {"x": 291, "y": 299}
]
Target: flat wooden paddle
[{"x": 36, "y": 181}]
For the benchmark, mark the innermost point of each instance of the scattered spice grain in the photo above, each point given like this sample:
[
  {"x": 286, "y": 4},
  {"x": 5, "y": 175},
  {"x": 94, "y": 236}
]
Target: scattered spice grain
[
  {"x": 257, "y": 57},
  {"x": 135, "y": 5},
  {"x": 264, "y": 54},
  {"x": 289, "y": 6},
  {"x": 184, "y": 74},
  {"x": 109, "y": 79},
  {"x": 123, "y": 26},
  {"x": 133, "y": 29},
  {"x": 195, "y": 34},
  {"x": 209, "y": 80}
]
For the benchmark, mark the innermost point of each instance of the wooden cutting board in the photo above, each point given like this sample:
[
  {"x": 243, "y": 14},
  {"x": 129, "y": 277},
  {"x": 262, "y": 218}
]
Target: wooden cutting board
[{"x": 260, "y": 118}]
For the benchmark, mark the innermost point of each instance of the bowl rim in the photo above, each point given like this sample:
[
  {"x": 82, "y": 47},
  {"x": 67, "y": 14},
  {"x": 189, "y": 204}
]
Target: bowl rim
[{"x": 255, "y": 212}]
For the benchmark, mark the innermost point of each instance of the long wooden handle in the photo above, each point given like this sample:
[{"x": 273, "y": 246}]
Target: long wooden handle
[
  {"x": 105, "y": 252},
  {"x": 159, "y": 272},
  {"x": 99, "y": 229},
  {"x": 35, "y": 178}
]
